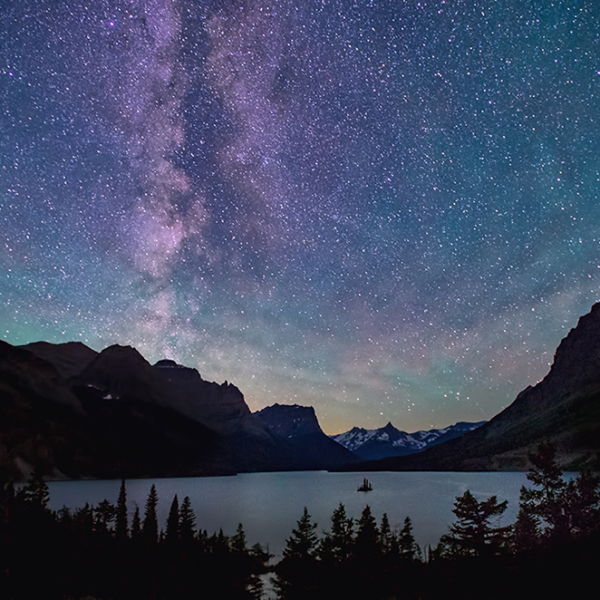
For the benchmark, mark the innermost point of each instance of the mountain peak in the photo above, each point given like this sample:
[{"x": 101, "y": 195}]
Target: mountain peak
[
  {"x": 577, "y": 358},
  {"x": 289, "y": 420},
  {"x": 374, "y": 444},
  {"x": 118, "y": 350},
  {"x": 68, "y": 358},
  {"x": 167, "y": 363},
  {"x": 299, "y": 426}
]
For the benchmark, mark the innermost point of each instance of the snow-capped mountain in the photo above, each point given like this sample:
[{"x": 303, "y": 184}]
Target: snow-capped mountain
[{"x": 373, "y": 444}]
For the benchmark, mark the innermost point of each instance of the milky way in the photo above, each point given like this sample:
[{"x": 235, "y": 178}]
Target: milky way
[{"x": 388, "y": 210}]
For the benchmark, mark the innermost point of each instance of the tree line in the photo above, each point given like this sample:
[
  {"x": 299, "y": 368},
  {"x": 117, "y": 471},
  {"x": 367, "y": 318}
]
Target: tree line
[{"x": 94, "y": 552}]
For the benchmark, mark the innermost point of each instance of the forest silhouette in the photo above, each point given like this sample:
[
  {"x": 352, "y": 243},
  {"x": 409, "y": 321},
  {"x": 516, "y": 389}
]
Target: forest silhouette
[{"x": 98, "y": 553}]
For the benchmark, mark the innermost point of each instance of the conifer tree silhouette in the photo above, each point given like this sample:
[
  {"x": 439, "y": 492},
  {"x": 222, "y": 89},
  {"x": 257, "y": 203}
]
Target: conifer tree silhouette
[
  {"x": 296, "y": 573},
  {"x": 472, "y": 534},
  {"x": 136, "y": 524},
  {"x": 407, "y": 546},
  {"x": 121, "y": 525},
  {"x": 187, "y": 523},
  {"x": 150, "y": 525},
  {"x": 172, "y": 532},
  {"x": 337, "y": 544}
]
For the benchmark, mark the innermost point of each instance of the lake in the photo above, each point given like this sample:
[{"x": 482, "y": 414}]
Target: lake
[{"x": 269, "y": 504}]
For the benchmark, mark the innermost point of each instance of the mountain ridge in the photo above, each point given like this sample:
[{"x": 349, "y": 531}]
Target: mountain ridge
[
  {"x": 111, "y": 414},
  {"x": 563, "y": 408},
  {"x": 122, "y": 417},
  {"x": 387, "y": 441}
]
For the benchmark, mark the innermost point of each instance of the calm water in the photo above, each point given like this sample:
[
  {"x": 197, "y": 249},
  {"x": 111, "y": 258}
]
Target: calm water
[{"x": 269, "y": 504}]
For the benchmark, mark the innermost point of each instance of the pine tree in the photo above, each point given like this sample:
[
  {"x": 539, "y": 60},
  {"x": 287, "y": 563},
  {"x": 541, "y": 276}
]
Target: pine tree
[
  {"x": 562, "y": 510},
  {"x": 35, "y": 490},
  {"x": 104, "y": 515},
  {"x": 336, "y": 546},
  {"x": 472, "y": 534},
  {"x": 136, "y": 524},
  {"x": 526, "y": 530},
  {"x": 187, "y": 523},
  {"x": 368, "y": 567},
  {"x": 238, "y": 541},
  {"x": 259, "y": 559},
  {"x": 303, "y": 541},
  {"x": 367, "y": 544},
  {"x": 244, "y": 583},
  {"x": 585, "y": 505},
  {"x": 150, "y": 525},
  {"x": 335, "y": 554},
  {"x": 385, "y": 534},
  {"x": 547, "y": 499},
  {"x": 407, "y": 546},
  {"x": 121, "y": 519},
  {"x": 296, "y": 573},
  {"x": 172, "y": 532}
]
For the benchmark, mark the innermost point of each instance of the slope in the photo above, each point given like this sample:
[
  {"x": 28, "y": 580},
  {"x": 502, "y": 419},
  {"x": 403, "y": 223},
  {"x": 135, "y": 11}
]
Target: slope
[{"x": 563, "y": 408}]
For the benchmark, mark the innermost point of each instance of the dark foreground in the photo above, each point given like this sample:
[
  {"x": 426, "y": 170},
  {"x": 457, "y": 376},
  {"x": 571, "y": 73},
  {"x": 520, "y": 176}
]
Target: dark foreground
[{"x": 552, "y": 550}]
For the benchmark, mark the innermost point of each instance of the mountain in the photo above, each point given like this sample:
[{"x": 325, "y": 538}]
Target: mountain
[
  {"x": 299, "y": 426},
  {"x": 82, "y": 414},
  {"x": 220, "y": 406},
  {"x": 373, "y": 444},
  {"x": 563, "y": 408},
  {"x": 69, "y": 359}
]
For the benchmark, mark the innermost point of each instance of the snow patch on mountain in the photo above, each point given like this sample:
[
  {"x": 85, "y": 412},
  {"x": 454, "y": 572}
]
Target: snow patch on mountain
[{"x": 370, "y": 444}]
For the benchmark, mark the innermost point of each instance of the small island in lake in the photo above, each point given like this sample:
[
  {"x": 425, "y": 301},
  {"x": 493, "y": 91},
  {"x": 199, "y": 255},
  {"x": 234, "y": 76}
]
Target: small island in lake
[{"x": 365, "y": 487}]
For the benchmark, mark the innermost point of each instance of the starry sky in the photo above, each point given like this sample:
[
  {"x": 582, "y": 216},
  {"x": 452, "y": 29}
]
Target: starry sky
[{"x": 386, "y": 209}]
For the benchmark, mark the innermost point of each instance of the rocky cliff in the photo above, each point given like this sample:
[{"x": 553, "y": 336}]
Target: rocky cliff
[
  {"x": 299, "y": 426},
  {"x": 82, "y": 414}
]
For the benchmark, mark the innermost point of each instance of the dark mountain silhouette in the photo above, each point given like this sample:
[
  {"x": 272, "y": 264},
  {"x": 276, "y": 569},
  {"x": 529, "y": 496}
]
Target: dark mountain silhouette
[
  {"x": 119, "y": 416},
  {"x": 373, "y": 444},
  {"x": 220, "y": 406},
  {"x": 69, "y": 359},
  {"x": 78, "y": 413},
  {"x": 563, "y": 408},
  {"x": 299, "y": 426}
]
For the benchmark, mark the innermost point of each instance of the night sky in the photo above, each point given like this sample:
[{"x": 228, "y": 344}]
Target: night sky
[{"x": 386, "y": 209}]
